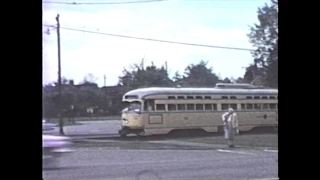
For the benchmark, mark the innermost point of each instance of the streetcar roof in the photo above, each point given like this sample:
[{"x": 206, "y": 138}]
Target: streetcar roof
[{"x": 143, "y": 92}]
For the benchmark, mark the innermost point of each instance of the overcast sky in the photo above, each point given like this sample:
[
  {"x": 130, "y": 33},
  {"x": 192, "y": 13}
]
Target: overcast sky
[{"x": 210, "y": 22}]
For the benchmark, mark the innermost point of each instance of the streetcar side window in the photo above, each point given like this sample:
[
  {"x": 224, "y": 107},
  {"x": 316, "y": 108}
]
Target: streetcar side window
[
  {"x": 272, "y": 106},
  {"x": 190, "y": 97},
  {"x": 149, "y": 105},
  {"x": 171, "y": 97},
  {"x": 224, "y": 97},
  {"x": 224, "y": 106},
  {"x": 249, "y": 106},
  {"x": 181, "y": 107},
  {"x": 257, "y": 106},
  {"x": 265, "y": 106},
  {"x": 215, "y": 107},
  {"x": 160, "y": 107},
  {"x": 208, "y": 107},
  {"x": 172, "y": 107},
  {"x": 233, "y": 106},
  {"x": 207, "y": 97},
  {"x": 145, "y": 106},
  {"x": 190, "y": 107},
  {"x": 199, "y": 107}
]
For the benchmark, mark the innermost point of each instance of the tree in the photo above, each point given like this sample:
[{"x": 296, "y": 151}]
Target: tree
[
  {"x": 177, "y": 78},
  {"x": 49, "y": 99},
  {"x": 140, "y": 76},
  {"x": 89, "y": 79},
  {"x": 239, "y": 80},
  {"x": 226, "y": 80},
  {"x": 64, "y": 80},
  {"x": 51, "y": 96},
  {"x": 264, "y": 36},
  {"x": 199, "y": 75}
]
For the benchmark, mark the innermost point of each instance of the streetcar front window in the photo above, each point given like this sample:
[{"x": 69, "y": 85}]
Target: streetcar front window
[
  {"x": 134, "y": 106},
  {"x": 124, "y": 110}
]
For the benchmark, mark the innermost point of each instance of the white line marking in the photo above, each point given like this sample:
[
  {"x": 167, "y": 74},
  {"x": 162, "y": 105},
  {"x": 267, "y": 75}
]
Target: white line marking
[
  {"x": 95, "y": 140},
  {"x": 238, "y": 152},
  {"x": 188, "y": 143},
  {"x": 94, "y": 130},
  {"x": 267, "y": 150},
  {"x": 96, "y": 149},
  {"x": 190, "y": 179}
]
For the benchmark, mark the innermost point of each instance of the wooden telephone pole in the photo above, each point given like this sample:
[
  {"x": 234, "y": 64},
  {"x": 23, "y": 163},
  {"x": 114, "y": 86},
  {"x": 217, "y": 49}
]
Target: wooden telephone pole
[{"x": 59, "y": 80}]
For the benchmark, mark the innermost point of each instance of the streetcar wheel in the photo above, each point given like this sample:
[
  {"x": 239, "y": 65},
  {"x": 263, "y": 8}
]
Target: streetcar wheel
[
  {"x": 142, "y": 133},
  {"x": 122, "y": 133}
]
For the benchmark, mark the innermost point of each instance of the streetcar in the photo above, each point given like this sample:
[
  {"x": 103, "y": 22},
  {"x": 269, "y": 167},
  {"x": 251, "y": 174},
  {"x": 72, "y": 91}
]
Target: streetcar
[{"x": 160, "y": 110}]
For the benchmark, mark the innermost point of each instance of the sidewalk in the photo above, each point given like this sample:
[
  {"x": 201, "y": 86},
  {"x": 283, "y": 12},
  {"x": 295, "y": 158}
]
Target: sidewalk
[{"x": 90, "y": 128}]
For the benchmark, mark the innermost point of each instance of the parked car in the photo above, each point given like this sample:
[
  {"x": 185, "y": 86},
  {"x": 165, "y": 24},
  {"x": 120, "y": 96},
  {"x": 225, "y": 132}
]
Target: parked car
[{"x": 53, "y": 148}]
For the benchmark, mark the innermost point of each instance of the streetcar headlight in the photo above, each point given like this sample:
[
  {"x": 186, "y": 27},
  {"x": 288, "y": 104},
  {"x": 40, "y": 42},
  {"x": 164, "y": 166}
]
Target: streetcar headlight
[{"x": 126, "y": 121}]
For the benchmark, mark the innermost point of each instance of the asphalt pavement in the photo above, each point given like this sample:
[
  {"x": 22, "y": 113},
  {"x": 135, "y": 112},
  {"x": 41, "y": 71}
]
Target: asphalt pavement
[
  {"x": 155, "y": 160},
  {"x": 106, "y": 163}
]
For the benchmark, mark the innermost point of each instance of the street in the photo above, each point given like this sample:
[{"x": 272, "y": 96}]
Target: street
[
  {"x": 111, "y": 163},
  {"x": 195, "y": 158}
]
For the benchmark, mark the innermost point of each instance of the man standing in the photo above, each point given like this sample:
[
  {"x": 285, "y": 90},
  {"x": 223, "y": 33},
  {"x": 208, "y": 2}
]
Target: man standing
[{"x": 230, "y": 121}]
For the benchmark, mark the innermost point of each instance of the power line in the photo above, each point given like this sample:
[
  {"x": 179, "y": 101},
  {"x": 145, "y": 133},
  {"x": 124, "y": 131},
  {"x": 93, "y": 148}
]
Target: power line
[
  {"x": 99, "y": 3},
  {"x": 156, "y": 40}
]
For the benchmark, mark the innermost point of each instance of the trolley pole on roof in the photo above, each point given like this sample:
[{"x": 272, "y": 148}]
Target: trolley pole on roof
[{"x": 59, "y": 80}]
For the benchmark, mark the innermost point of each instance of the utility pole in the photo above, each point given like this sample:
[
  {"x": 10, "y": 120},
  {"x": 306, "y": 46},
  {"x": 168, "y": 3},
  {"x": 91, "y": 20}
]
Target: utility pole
[
  {"x": 104, "y": 80},
  {"x": 166, "y": 66},
  {"x": 59, "y": 79}
]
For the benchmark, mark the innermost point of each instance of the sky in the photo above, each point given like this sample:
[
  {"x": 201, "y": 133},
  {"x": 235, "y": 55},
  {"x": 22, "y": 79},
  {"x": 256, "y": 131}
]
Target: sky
[{"x": 209, "y": 22}]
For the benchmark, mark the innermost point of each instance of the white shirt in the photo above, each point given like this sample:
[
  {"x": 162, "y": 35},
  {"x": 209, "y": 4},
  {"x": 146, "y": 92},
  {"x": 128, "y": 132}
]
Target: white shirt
[{"x": 233, "y": 118}]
